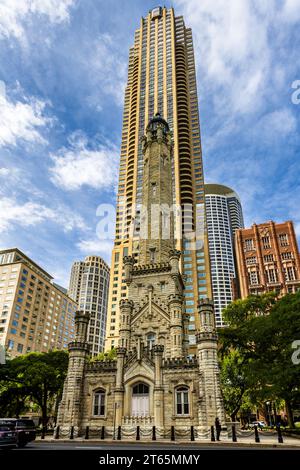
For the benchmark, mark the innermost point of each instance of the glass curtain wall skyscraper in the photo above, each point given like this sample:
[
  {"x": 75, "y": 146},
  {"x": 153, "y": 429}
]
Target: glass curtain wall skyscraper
[
  {"x": 161, "y": 79},
  {"x": 224, "y": 216}
]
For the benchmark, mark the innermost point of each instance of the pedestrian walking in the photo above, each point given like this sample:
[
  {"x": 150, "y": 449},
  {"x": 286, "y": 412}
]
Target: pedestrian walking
[{"x": 218, "y": 428}]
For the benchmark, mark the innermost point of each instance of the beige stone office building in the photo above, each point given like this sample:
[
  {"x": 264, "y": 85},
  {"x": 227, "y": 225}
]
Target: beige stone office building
[
  {"x": 268, "y": 259},
  {"x": 89, "y": 283},
  {"x": 161, "y": 78},
  {"x": 154, "y": 381},
  {"x": 35, "y": 314}
]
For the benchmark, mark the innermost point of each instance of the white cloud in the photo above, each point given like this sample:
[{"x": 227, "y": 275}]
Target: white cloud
[
  {"x": 95, "y": 246},
  {"x": 14, "y": 213},
  {"x": 14, "y": 13},
  {"x": 4, "y": 171},
  {"x": 278, "y": 123},
  {"x": 107, "y": 69},
  {"x": 237, "y": 57},
  {"x": 78, "y": 165},
  {"x": 21, "y": 120}
]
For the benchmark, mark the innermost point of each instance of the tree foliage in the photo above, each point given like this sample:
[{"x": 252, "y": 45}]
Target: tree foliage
[
  {"x": 261, "y": 331},
  {"x": 34, "y": 377},
  {"x": 105, "y": 356}
]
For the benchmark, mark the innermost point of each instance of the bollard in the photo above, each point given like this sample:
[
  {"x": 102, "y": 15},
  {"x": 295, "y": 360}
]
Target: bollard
[
  {"x": 192, "y": 433},
  {"x": 87, "y": 432},
  {"x": 119, "y": 436},
  {"x": 256, "y": 434},
  {"x": 137, "y": 433},
  {"x": 102, "y": 433},
  {"x": 56, "y": 435},
  {"x": 153, "y": 433},
  {"x": 212, "y": 434},
  {"x": 172, "y": 433},
  {"x": 72, "y": 432},
  {"x": 234, "y": 439},
  {"x": 279, "y": 433}
]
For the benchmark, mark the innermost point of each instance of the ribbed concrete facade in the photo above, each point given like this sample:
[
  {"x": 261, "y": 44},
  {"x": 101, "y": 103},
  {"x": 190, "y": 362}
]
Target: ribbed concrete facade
[
  {"x": 161, "y": 78},
  {"x": 224, "y": 216},
  {"x": 89, "y": 284}
]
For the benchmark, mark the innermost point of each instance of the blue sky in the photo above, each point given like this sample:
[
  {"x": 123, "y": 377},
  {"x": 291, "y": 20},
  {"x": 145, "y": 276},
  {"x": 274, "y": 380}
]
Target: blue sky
[{"x": 63, "y": 66}]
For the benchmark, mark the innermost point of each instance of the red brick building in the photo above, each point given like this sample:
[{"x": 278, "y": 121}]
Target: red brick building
[{"x": 268, "y": 258}]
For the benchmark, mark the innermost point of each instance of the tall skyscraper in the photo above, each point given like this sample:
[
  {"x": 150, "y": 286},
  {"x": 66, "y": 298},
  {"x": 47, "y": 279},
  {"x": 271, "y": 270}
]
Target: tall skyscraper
[
  {"x": 88, "y": 286},
  {"x": 268, "y": 259},
  {"x": 35, "y": 314},
  {"x": 224, "y": 216},
  {"x": 161, "y": 79}
]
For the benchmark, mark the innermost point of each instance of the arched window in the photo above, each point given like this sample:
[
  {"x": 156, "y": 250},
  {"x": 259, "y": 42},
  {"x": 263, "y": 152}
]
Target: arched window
[
  {"x": 140, "y": 389},
  {"x": 99, "y": 403},
  {"x": 182, "y": 401}
]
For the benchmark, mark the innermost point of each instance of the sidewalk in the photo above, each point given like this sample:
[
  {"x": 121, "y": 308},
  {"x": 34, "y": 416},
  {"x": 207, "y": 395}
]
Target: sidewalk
[{"x": 265, "y": 441}]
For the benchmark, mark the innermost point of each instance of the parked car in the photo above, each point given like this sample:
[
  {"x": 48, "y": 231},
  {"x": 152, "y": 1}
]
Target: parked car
[
  {"x": 8, "y": 437},
  {"x": 24, "y": 429},
  {"x": 259, "y": 424}
]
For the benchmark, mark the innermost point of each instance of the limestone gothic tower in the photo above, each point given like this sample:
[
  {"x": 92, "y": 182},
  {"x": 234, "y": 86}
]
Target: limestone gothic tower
[
  {"x": 153, "y": 313},
  {"x": 157, "y": 221}
]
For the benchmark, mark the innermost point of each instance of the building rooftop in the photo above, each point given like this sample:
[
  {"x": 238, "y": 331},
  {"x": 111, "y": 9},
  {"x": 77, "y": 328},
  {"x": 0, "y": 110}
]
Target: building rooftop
[
  {"x": 21, "y": 257},
  {"x": 219, "y": 190}
]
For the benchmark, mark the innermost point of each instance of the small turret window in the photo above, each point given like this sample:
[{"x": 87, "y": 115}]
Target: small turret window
[
  {"x": 153, "y": 186},
  {"x": 152, "y": 255},
  {"x": 99, "y": 403}
]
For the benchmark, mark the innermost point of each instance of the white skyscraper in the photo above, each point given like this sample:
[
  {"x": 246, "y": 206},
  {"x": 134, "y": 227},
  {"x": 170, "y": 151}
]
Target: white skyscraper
[
  {"x": 89, "y": 284},
  {"x": 224, "y": 216}
]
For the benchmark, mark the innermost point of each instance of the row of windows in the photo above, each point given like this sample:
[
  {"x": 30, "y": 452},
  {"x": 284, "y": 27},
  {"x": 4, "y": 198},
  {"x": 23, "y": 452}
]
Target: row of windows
[
  {"x": 266, "y": 242},
  {"x": 182, "y": 405}
]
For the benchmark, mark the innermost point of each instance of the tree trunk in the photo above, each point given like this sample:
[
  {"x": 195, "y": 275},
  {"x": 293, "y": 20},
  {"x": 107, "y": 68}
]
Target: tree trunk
[
  {"x": 290, "y": 415},
  {"x": 233, "y": 416}
]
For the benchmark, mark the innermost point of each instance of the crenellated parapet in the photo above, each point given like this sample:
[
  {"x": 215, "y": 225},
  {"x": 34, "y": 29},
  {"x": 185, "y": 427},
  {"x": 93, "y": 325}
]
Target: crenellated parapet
[
  {"x": 180, "y": 362},
  {"x": 150, "y": 269},
  {"x": 98, "y": 366},
  {"x": 206, "y": 336},
  {"x": 175, "y": 299},
  {"x": 79, "y": 346},
  {"x": 126, "y": 304},
  {"x": 158, "y": 349},
  {"x": 120, "y": 351}
]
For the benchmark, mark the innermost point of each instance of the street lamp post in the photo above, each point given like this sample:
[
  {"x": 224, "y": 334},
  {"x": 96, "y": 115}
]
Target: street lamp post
[
  {"x": 114, "y": 432},
  {"x": 268, "y": 403}
]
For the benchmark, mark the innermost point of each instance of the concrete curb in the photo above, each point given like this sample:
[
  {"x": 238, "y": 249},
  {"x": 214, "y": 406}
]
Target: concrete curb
[{"x": 183, "y": 443}]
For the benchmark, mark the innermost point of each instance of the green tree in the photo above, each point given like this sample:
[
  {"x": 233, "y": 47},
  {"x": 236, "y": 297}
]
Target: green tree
[
  {"x": 235, "y": 383},
  {"x": 36, "y": 376},
  {"x": 261, "y": 330},
  {"x": 105, "y": 356}
]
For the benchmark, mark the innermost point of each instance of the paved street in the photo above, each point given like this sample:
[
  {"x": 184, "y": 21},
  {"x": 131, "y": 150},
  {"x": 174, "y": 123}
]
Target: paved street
[{"x": 292, "y": 444}]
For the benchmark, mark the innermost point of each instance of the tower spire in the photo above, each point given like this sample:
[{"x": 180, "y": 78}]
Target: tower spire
[{"x": 157, "y": 221}]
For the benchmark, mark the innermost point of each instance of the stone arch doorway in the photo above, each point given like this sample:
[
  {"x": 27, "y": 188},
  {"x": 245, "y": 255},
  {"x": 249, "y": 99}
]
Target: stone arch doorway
[{"x": 140, "y": 402}]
